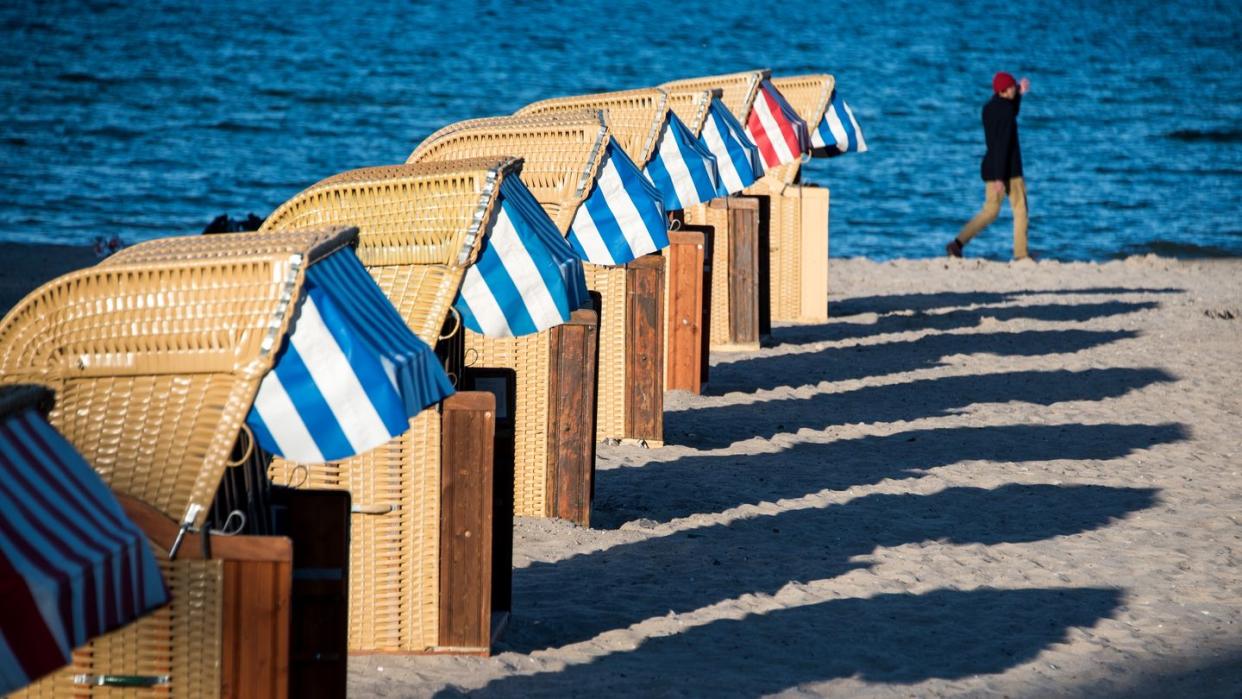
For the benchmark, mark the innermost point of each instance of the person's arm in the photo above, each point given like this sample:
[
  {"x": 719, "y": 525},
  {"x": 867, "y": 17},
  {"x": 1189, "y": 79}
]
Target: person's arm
[
  {"x": 1024, "y": 86},
  {"x": 998, "y": 132}
]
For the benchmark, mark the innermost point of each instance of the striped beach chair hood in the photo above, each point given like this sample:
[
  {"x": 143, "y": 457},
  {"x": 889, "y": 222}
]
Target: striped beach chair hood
[
  {"x": 73, "y": 566},
  {"x": 776, "y": 128},
  {"x": 527, "y": 277}
]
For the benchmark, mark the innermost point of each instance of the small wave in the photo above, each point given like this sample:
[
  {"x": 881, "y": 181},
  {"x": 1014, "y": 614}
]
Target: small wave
[
  {"x": 1174, "y": 248},
  {"x": 240, "y": 127},
  {"x": 1206, "y": 136},
  {"x": 75, "y": 77},
  {"x": 113, "y": 131}
]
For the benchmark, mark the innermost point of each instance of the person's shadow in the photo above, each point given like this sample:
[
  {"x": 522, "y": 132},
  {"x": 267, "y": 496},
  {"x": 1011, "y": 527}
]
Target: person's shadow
[
  {"x": 578, "y": 598},
  {"x": 663, "y": 491},
  {"x": 717, "y": 427},
  {"x": 887, "y": 358},
  {"x": 896, "y": 638},
  {"x": 955, "y": 319},
  {"x": 935, "y": 300}
]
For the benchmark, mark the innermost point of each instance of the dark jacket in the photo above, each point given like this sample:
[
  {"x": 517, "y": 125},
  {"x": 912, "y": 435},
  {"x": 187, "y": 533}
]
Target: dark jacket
[{"x": 1000, "y": 127}]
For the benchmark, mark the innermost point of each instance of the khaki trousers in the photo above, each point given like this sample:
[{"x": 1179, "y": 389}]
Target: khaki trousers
[{"x": 991, "y": 209}]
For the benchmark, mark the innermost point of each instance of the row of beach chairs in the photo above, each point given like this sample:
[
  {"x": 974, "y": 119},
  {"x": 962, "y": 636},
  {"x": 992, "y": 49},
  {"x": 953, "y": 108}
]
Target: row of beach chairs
[{"x": 324, "y": 428}]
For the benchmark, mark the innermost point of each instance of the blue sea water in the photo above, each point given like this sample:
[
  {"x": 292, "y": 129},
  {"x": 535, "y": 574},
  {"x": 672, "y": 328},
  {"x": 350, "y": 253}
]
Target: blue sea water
[{"x": 148, "y": 119}]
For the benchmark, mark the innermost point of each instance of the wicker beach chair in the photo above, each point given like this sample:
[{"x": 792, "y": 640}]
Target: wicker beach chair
[
  {"x": 629, "y": 407},
  {"x": 561, "y": 156},
  {"x": 155, "y": 357},
  {"x": 737, "y": 91},
  {"x": 420, "y": 227},
  {"x": 799, "y": 264}
]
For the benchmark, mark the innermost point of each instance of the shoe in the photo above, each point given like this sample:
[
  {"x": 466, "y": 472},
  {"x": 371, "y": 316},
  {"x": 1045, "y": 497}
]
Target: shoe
[{"x": 954, "y": 248}]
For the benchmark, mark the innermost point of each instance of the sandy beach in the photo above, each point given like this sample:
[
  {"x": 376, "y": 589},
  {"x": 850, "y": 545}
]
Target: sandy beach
[{"x": 977, "y": 479}]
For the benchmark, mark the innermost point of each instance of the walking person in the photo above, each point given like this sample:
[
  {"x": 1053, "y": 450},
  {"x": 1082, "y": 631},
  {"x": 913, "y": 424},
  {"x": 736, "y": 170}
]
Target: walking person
[{"x": 1002, "y": 166}]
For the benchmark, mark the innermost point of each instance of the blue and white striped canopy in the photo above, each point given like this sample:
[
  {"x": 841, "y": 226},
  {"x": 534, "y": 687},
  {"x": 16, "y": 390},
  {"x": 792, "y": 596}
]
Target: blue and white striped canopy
[
  {"x": 527, "y": 278},
  {"x": 73, "y": 566},
  {"x": 682, "y": 169},
  {"x": 737, "y": 156},
  {"x": 838, "y": 132},
  {"x": 351, "y": 373},
  {"x": 623, "y": 217}
]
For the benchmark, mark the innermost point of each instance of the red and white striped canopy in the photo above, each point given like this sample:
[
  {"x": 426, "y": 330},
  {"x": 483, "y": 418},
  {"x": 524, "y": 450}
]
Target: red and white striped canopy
[
  {"x": 774, "y": 126},
  {"x": 72, "y": 565}
]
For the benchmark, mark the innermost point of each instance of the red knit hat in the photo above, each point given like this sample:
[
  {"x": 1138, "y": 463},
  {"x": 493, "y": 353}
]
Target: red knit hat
[{"x": 1002, "y": 81}]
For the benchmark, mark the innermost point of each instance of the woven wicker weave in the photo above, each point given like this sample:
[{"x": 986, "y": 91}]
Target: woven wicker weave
[
  {"x": 634, "y": 117},
  {"x": 737, "y": 90},
  {"x": 420, "y": 226},
  {"x": 566, "y": 148},
  {"x": 691, "y": 106},
  {"x": 562, "y": 154},
  {"x": 181, "y": 641},
  {"x": 156, "y": 356}
]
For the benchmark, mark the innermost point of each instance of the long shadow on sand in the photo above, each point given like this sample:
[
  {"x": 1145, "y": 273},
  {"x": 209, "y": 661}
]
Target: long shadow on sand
[
  {"x": 903, "y": 638},
  {"x": 888, "y": 303},
  {"x": 886, "y": 358},
  {"x": 666, "y": 490},
  {"x": 956, "y": 319},
  {"x": 715, "y": 427},
  {"x": 580, "y": 597}
]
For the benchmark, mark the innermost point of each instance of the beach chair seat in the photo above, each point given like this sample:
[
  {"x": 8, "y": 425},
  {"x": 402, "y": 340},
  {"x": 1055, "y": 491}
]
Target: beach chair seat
[
  {"x": 631, "y": 366},
  {"x": 156, "y": 356},
  {"x": 553, "y": 433},
  {"x": 420, "y": 228}
]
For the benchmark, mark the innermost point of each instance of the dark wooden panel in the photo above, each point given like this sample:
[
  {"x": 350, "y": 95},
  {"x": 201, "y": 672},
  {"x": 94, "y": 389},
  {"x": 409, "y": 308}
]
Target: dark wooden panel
[
  {"x": 709, "y": 240},
  {"x": 468, "y": 426},
  {"x": 685, "y": 311},
  {"x": 744, "y": 270},
  {"x": 644, "y": 352},
  {"x": 574, "y": 358},
  {"x": 763, "y": 264},
  {"x": 318, "y": 522},
  {"x": 502, "y": 384}
]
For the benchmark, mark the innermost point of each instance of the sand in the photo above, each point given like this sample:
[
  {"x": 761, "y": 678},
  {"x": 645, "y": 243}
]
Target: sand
[{"x": 978, "y": 478}]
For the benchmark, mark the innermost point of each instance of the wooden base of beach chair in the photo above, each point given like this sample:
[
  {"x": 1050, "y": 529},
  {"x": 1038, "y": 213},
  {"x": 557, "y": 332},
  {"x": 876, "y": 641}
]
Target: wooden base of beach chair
[
  {"x": 552, "y": 420},
  {"x": 630, "y": 398},
  {"x": 570, "y": 480},
  {"x": 644, "y": 351},
  {"x": 475, "y": 587},
  {"x": 736, "y": 301},
  {"x": 429, "y": 564},
  {"x": 225, "y": 632},
  {"x": 685, "y": 355}
]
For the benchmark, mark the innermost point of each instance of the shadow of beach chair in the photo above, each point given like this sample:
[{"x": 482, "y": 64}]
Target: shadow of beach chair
[
  {"x": 420, "y": 228},
  {"x": 554, "y": 440},
  {"x": 156, "y": 356}
]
